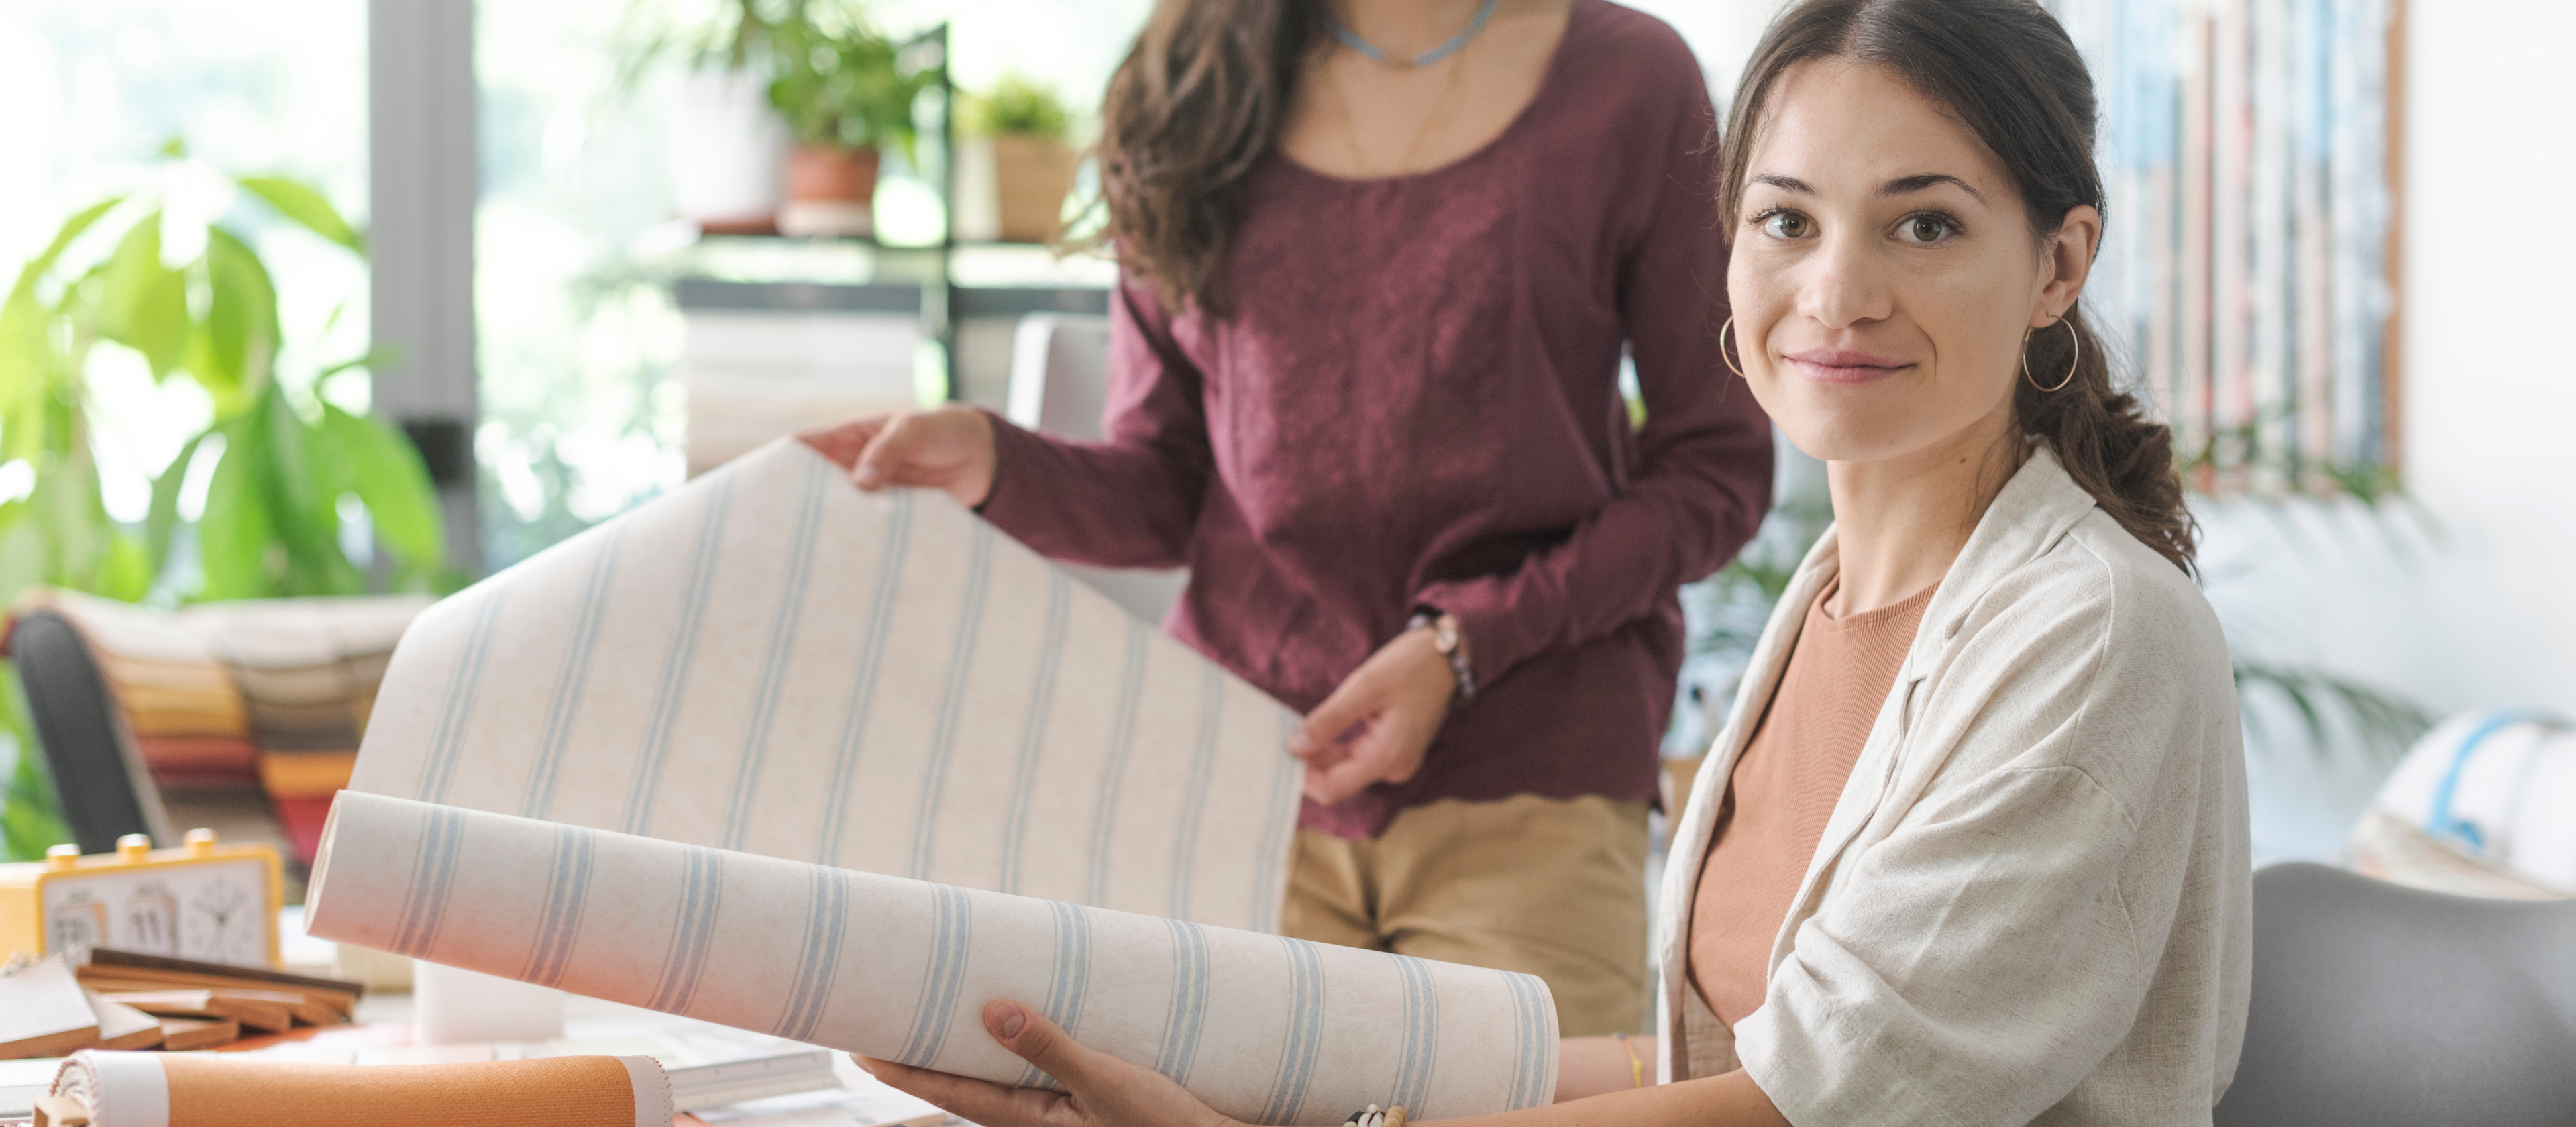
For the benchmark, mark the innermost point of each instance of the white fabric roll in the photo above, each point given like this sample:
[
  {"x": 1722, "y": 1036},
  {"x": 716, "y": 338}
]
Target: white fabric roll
[{"x": 1265, "y": 1029}]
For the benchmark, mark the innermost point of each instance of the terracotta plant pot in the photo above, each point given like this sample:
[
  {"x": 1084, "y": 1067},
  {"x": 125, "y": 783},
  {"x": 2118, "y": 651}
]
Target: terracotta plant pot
[
  {"x": 1031, "y": 175},
  {"x": 829, "y": 191}
]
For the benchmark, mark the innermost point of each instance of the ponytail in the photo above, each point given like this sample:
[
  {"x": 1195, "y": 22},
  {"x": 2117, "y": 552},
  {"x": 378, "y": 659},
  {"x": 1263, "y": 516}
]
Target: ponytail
[{"x": 2103, "y": 437}]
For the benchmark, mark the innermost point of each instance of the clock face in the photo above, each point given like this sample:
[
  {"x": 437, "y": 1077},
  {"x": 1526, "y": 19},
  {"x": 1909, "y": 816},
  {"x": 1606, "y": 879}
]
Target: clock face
[{"x": 212, "y": 911}]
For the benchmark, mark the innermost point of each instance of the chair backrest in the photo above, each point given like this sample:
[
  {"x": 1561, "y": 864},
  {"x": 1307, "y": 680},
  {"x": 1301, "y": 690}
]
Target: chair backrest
[
  {"x": 2379, "y": 1004},
  {"x": 1060, "y": 374},
  {"x": 104, "y": 789},
  {"x": 1059, "y": 385}
]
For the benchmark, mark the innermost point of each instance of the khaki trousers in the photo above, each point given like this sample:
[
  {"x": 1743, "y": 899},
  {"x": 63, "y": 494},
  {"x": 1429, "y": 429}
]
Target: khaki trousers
[{"x": 1550, "y": 887}]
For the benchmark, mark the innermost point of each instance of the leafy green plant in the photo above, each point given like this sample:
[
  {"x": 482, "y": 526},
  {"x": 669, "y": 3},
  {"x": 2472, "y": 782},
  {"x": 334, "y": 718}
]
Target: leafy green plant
[
  {"x": 1016, "y": 104},
  {"x": 282, "y": 464},
  {"x": 841, "y": 83},
  {"x": 739, "y": 36}
]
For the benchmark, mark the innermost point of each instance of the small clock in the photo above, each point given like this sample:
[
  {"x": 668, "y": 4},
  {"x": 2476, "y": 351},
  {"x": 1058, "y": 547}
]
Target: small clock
[{"x": 205, "y": 901}]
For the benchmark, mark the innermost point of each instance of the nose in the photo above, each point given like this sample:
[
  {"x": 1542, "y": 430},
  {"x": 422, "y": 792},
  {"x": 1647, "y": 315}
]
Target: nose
[{"x": 1843, "y": 286}]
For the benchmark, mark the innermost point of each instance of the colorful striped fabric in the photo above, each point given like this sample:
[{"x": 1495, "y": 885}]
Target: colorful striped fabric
[
  {"x": 267, "y": 696},
  {"x": 1265, "y": 1029}
]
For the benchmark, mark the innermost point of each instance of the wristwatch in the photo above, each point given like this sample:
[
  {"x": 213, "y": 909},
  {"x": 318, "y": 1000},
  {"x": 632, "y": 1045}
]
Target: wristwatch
[{"x": 1446, "y": 640}]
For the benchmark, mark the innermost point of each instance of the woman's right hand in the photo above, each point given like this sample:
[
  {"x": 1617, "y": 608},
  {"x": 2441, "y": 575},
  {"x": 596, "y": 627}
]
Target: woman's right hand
[
  {"x": 1099, "y": 1090},
  {"x": 949, "y": 449}
]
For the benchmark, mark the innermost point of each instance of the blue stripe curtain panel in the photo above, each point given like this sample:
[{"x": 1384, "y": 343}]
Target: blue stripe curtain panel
[
  {"x": 770, "y": 662},
  {"x": 1265, "y": 1029}
]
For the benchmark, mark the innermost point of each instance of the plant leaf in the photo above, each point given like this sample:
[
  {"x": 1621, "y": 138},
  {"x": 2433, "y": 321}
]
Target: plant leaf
[
  {"x": 239, "y": 341},
  {"x": 161, "y": 521},
  {"x": 145, "y": 304},
  {"x": 234, "y": 535},
  {"x": 306, "y": 207},
  {"x": 393, "y": 483}
]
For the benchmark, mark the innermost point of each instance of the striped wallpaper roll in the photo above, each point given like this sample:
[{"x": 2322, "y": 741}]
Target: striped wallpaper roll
[
  {"x": 1265, "y": 1029},
  {"x": 770, "y": 662}
]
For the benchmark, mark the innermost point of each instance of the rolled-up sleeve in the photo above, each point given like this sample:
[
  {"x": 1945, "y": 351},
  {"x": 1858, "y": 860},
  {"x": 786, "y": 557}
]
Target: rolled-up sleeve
[{"x": 1976, "y": 965}]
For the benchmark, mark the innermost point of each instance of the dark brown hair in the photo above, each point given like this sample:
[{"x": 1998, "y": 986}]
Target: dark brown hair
[
  {"x": 1189, "y": 113},
  {"x": 2006, "y": 70}
]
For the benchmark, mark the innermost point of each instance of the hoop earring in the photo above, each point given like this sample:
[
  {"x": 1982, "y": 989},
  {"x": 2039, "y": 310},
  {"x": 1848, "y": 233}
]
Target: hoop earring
[
  {"x": 1721, "y": 346},
  {"x": 2071, "y": 334}
]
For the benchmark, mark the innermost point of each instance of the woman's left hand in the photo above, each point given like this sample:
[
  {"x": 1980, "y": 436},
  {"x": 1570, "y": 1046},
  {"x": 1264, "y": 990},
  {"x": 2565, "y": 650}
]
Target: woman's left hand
[
  {"x": 1378, "y": 724},
  {"x": 1099, "y": 1090}
]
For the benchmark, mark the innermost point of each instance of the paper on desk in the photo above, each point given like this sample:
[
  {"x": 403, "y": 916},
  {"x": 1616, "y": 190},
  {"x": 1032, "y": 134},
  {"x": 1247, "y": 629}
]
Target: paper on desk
[
  {"x": 771, "y": 662},
  {"x": 1265, "y": 1029}
]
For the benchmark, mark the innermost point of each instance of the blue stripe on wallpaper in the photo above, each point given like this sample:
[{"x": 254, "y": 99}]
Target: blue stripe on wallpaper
[
  {"x": 952, "y": 941},
  {"x": 1104, "y": 818},
  {"x": 863, "y": 693},
  {"x": 676, "y": 663},
  {"x": 952, "y": 704},
  {"x": 1268, "y": 866},
  {"x": 827, "y": 924},
  {"x": 1185, "y": 1015},
  {"x": 1068, "y": 981},
  {"x": 1305, "y": 1039},
  {"x": 1194, "y": 800},
  {"x": 1421, "y": 1035},
  {"x": 1024, "y": 777},
  {"x": 693, "y": 931},
  {"x": 447, "y": 737},
  {"x": 773, "y": 668},
  {"x": 575, "y": 676},
  {"x": 567, "y": 893}
]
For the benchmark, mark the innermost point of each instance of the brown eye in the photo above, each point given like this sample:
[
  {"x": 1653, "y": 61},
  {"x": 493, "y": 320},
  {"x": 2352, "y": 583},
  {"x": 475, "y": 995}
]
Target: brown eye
[
  {"x": 1786, "y": 225},
  {"x": 1923, "y": 229}
]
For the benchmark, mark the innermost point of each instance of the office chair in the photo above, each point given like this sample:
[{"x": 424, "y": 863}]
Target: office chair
[
  {"x": 1059, "y": 385},
  {"x": 2376, "y": 1004},
  {"x": 104, "y": 789}
]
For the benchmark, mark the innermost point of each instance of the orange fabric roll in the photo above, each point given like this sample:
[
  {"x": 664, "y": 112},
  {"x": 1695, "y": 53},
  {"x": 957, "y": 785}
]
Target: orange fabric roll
[{"x": 208, "y": 1090}]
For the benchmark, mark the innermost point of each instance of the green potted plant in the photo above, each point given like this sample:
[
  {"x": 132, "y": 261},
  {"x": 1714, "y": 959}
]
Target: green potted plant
[
  {"x": 847, "y": 95},
  {"x": 726, "y": 145},
  {"x": 1033, "y": 156},
  {"x": 190, "y": 297}
]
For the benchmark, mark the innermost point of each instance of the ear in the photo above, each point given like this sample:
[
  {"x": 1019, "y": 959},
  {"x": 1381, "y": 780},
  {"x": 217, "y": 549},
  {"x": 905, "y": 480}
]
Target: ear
[{"x": 2068, "y": 256}]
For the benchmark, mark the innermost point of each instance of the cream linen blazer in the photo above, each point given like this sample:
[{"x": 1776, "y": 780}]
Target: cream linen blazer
[{"x": 2031, "y": 902}]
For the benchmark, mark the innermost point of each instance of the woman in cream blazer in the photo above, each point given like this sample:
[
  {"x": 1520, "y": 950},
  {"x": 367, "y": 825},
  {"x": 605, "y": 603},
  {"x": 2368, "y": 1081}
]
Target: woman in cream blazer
[{"x": 2028, "y": 901}]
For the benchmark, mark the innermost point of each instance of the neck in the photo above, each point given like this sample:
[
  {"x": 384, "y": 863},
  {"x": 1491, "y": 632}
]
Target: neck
[
  {"x": 1404, "y": 28},
  {"x": 1900, "y": 523}
]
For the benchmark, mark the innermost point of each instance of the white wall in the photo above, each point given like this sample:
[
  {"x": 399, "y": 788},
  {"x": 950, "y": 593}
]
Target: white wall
[
  {"x": 2465, "y": 598},
  {"x": 2488, "y": 300}
]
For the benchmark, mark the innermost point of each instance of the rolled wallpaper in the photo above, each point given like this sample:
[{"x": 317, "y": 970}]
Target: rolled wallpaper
[
  {"x": 769, "y": 661},
  {"x": 1265, "y": 1029}
]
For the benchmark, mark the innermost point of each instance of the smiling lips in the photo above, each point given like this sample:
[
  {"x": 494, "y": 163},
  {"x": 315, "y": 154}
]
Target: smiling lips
[{"x": 1843, "y": 365}]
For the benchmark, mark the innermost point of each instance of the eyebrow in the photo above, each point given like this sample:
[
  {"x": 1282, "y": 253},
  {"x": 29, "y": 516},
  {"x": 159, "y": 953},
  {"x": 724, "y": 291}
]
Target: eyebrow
[
  {"x": 1905, "y": 184},
  {"x": 1897, "y": 187}
]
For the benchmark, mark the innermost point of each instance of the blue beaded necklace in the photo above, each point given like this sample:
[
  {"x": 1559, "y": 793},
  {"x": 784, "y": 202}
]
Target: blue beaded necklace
[{"x": 1352, "y": 40}]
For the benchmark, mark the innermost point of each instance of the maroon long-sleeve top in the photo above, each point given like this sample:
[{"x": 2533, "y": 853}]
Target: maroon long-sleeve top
[{"x": 1413, "y": 402}]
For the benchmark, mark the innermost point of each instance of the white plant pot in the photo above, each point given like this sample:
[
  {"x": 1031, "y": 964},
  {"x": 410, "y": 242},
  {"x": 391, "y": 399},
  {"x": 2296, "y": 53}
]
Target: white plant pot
[{"x": 728, "y": 149}]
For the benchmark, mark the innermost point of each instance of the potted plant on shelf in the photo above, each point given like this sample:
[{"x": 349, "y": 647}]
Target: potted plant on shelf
[
  {"x": 727, "y": 144},
  {"x": 847, "y": 95},
  {"x": 1033, "y": 156}
]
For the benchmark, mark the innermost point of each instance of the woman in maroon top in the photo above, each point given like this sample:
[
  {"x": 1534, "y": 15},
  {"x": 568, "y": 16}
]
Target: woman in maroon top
[{"x": 1380, "y": 260}]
